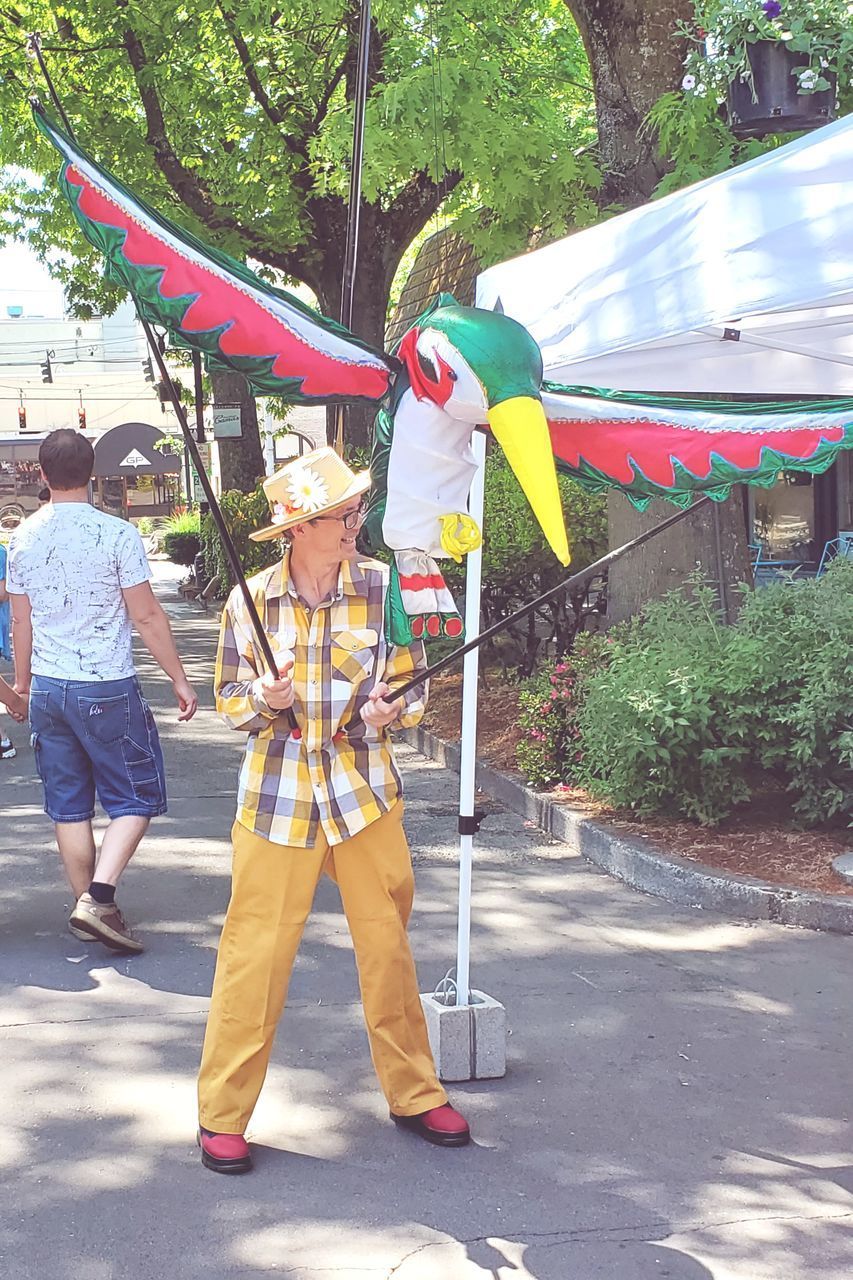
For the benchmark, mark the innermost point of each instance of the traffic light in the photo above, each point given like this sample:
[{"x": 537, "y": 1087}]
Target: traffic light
[
  {"x": 22, "y": 419},
  {"x": 46, "y": 370},
  {"x": 81, "y": 419},
  {"x": 148, "y": 370}
]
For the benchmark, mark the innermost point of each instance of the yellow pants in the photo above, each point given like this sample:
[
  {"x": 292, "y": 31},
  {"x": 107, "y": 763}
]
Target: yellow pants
[{"x": 271, "y": 895}]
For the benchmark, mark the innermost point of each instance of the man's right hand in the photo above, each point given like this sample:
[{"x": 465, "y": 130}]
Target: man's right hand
[{"x": 278, "y": 694}]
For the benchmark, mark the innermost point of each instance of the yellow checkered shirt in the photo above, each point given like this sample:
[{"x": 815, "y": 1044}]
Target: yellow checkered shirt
[{"x": 333, "y": 770}]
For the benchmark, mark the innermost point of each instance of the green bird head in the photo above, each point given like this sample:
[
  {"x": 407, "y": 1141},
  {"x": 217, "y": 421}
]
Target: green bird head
[{"x": 483, "y": 368}]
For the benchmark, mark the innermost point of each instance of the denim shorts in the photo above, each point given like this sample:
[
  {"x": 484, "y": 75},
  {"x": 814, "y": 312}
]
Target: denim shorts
[{"x": 96, "y": 737}]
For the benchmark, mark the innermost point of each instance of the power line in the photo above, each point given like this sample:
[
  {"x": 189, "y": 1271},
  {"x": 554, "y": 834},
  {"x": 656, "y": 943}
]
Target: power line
[
  {"x": 76, "y": 341},
  {"x": 56, "y": 361},
  {"x": 60, "y": 400}
]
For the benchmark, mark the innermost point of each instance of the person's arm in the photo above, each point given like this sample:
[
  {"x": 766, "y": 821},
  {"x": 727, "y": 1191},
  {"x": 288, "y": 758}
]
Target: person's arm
[
  {"x": 4, "y": 594},
  {"x": 246, "y": 700},
  {"x": 22, "y": 641},
  {"x": 147, "y": 615},
  {"x": 383, "y": 709},
  {"x": 17, "y": 706}
]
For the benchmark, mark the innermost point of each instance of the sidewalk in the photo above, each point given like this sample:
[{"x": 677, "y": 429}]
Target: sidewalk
[{"x": 676, "y": 1103}]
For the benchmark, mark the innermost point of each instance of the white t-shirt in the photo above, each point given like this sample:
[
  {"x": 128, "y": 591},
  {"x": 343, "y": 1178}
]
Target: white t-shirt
[{"x": 72, "y": 562}]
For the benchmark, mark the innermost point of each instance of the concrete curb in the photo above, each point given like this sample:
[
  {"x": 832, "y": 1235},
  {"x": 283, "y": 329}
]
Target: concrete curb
[{"x": 644, "y": 866}]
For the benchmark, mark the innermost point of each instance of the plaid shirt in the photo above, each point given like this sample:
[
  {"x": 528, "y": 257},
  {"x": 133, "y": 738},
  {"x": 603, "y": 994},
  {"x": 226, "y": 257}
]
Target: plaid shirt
[{"x": 333, "y": 769}]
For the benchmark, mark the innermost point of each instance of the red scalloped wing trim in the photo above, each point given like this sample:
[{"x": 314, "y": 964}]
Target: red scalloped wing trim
[
  {"x": 620, "y": 449},
  {"x": 253, "y": 332}
]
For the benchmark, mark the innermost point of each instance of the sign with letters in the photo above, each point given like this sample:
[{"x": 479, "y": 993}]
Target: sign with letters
[{"x": 227, "y": 422}]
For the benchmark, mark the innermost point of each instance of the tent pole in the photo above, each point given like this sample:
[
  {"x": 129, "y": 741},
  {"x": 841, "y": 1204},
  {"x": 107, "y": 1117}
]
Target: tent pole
[
  {"x": 468, "y": 756},
  {"x": 779, "y": 344}
]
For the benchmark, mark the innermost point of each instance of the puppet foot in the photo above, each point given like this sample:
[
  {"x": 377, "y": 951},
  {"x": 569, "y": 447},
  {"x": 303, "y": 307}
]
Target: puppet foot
[{"x": 431, "y": 625}]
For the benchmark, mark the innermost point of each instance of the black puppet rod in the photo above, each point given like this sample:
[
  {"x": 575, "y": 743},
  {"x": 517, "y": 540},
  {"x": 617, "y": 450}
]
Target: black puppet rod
[
  {"x": 576, "y": 580},
  {"x": 354, "y": 202},
  {"x": 34, "y": 46}
]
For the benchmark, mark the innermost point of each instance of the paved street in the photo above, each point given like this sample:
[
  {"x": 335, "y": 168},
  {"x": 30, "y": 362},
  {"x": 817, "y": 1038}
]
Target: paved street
[{"x": 676, "y": 1104}]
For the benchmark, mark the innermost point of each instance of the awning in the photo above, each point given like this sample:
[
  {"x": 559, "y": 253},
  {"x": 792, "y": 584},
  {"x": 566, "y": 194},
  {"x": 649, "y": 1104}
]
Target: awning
[{"x": 131, "y": 450}]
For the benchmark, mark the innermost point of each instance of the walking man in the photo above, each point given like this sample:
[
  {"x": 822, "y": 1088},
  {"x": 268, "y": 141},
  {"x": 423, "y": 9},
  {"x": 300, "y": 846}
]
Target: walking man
[
  {"x": 7, "y": 749},
  {"x": 323, "y": 796},
  {"x": 77, "y": 580}
]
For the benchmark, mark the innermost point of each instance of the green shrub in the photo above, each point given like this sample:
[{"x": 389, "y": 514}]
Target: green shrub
[
  {"x": 794, "y": 668},
  {"x": 549, "y": 705},
  {"x": 243, "y": 513},
  {"x": 181, "y": 539},
  {"x": 654, "y": 727},
  {"x": 690, "y": 717}
]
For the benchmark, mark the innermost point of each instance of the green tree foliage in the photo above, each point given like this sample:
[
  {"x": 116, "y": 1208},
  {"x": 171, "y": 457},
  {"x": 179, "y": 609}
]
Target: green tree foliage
[
  {"x": 235, "y": 118},
  {"x": 243, "y": 514}
]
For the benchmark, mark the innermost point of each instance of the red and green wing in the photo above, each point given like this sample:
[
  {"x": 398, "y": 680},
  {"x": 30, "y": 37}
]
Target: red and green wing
[
  {"x": 672, "y": 446},
  {"x": 211, "y": 303}
]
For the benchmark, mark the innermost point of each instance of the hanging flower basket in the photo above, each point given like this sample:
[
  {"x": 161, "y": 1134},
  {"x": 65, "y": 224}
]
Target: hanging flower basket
[
  {"x": 776, "y": 64},
  {"x": 770, "y": 99}
]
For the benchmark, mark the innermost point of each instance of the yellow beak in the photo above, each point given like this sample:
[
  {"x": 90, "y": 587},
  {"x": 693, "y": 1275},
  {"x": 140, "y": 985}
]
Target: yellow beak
[{"x": 521, "y": 429}]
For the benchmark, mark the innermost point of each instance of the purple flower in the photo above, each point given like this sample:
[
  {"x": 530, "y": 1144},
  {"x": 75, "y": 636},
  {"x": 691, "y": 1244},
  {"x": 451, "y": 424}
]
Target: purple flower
[{"x": 772, "y": 8}]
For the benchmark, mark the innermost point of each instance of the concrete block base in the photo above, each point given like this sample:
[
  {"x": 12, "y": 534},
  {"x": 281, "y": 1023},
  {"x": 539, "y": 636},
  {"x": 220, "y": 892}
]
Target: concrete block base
[{"x": 468, "y": 1041}]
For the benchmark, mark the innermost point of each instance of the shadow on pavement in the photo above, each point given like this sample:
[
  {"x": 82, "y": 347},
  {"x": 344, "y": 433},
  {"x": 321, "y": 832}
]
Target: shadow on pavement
[{"x": 675, "y": 1105}]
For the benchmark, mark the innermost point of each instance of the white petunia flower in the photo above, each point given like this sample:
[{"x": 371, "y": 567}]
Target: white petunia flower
[
  {"x": 688, "y": 83},
  {"x": 308, "y": 491},
  {"x": 807, "y": 79}
]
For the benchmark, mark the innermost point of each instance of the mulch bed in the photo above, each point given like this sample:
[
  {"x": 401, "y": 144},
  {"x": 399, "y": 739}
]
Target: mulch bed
[{"x": 759, "y": 840}]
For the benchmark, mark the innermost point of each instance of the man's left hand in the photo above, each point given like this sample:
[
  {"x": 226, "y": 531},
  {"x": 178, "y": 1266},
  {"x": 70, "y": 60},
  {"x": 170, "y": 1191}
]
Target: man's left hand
[{"x": 377, "y": 712}]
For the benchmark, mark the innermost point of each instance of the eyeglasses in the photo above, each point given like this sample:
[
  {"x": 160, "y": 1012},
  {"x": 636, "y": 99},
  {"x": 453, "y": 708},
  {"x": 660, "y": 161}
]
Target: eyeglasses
[{"x": 350, "y": 519}]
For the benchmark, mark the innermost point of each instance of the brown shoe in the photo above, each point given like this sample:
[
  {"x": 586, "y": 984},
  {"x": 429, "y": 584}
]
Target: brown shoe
[{"x": 104, "y": 922}]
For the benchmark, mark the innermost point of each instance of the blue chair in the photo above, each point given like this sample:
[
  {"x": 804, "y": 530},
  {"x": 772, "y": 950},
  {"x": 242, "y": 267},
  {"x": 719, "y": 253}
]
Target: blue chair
[
  {"x": 755, "y": 551},
  {"x": 840, "y": 546}
]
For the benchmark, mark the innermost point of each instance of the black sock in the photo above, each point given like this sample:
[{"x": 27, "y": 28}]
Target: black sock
[{"x": 102, "y": 893}]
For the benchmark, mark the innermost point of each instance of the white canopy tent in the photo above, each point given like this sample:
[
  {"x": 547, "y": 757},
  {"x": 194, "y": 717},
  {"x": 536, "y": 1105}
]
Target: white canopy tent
[
  {"x": 742, "y": 283},
  {"x": 642, "y": 302}
]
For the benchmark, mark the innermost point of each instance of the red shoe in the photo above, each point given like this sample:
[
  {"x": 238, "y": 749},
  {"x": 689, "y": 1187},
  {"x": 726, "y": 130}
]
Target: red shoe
[
  {"x": 442, "y": 1126},
  {"x": 224, "y": 1152}
]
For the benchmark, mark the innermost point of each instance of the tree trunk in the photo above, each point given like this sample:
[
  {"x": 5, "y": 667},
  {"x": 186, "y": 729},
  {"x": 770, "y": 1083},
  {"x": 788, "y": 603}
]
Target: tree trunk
[
  {"x": 634, "y": 59},
  {"x": 713, "y": 541},
  {"x": 377, "y": 261},
  {"x": 241, "y": 460}
]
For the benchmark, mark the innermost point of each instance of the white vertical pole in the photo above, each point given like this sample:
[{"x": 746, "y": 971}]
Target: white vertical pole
[{"x": 470, "y": 670}]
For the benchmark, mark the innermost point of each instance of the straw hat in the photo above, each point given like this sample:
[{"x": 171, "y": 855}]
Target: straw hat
[{"x": 307, "y": 487}]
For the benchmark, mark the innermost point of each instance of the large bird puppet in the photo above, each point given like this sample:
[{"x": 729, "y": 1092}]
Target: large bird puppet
[{"x": 458, "y": 369}]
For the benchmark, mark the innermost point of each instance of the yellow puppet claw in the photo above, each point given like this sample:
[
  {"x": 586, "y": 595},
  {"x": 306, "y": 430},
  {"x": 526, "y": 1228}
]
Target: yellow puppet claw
[
  {"x": 521, "y": 429},
  {"x": 459, "y": 535}
]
